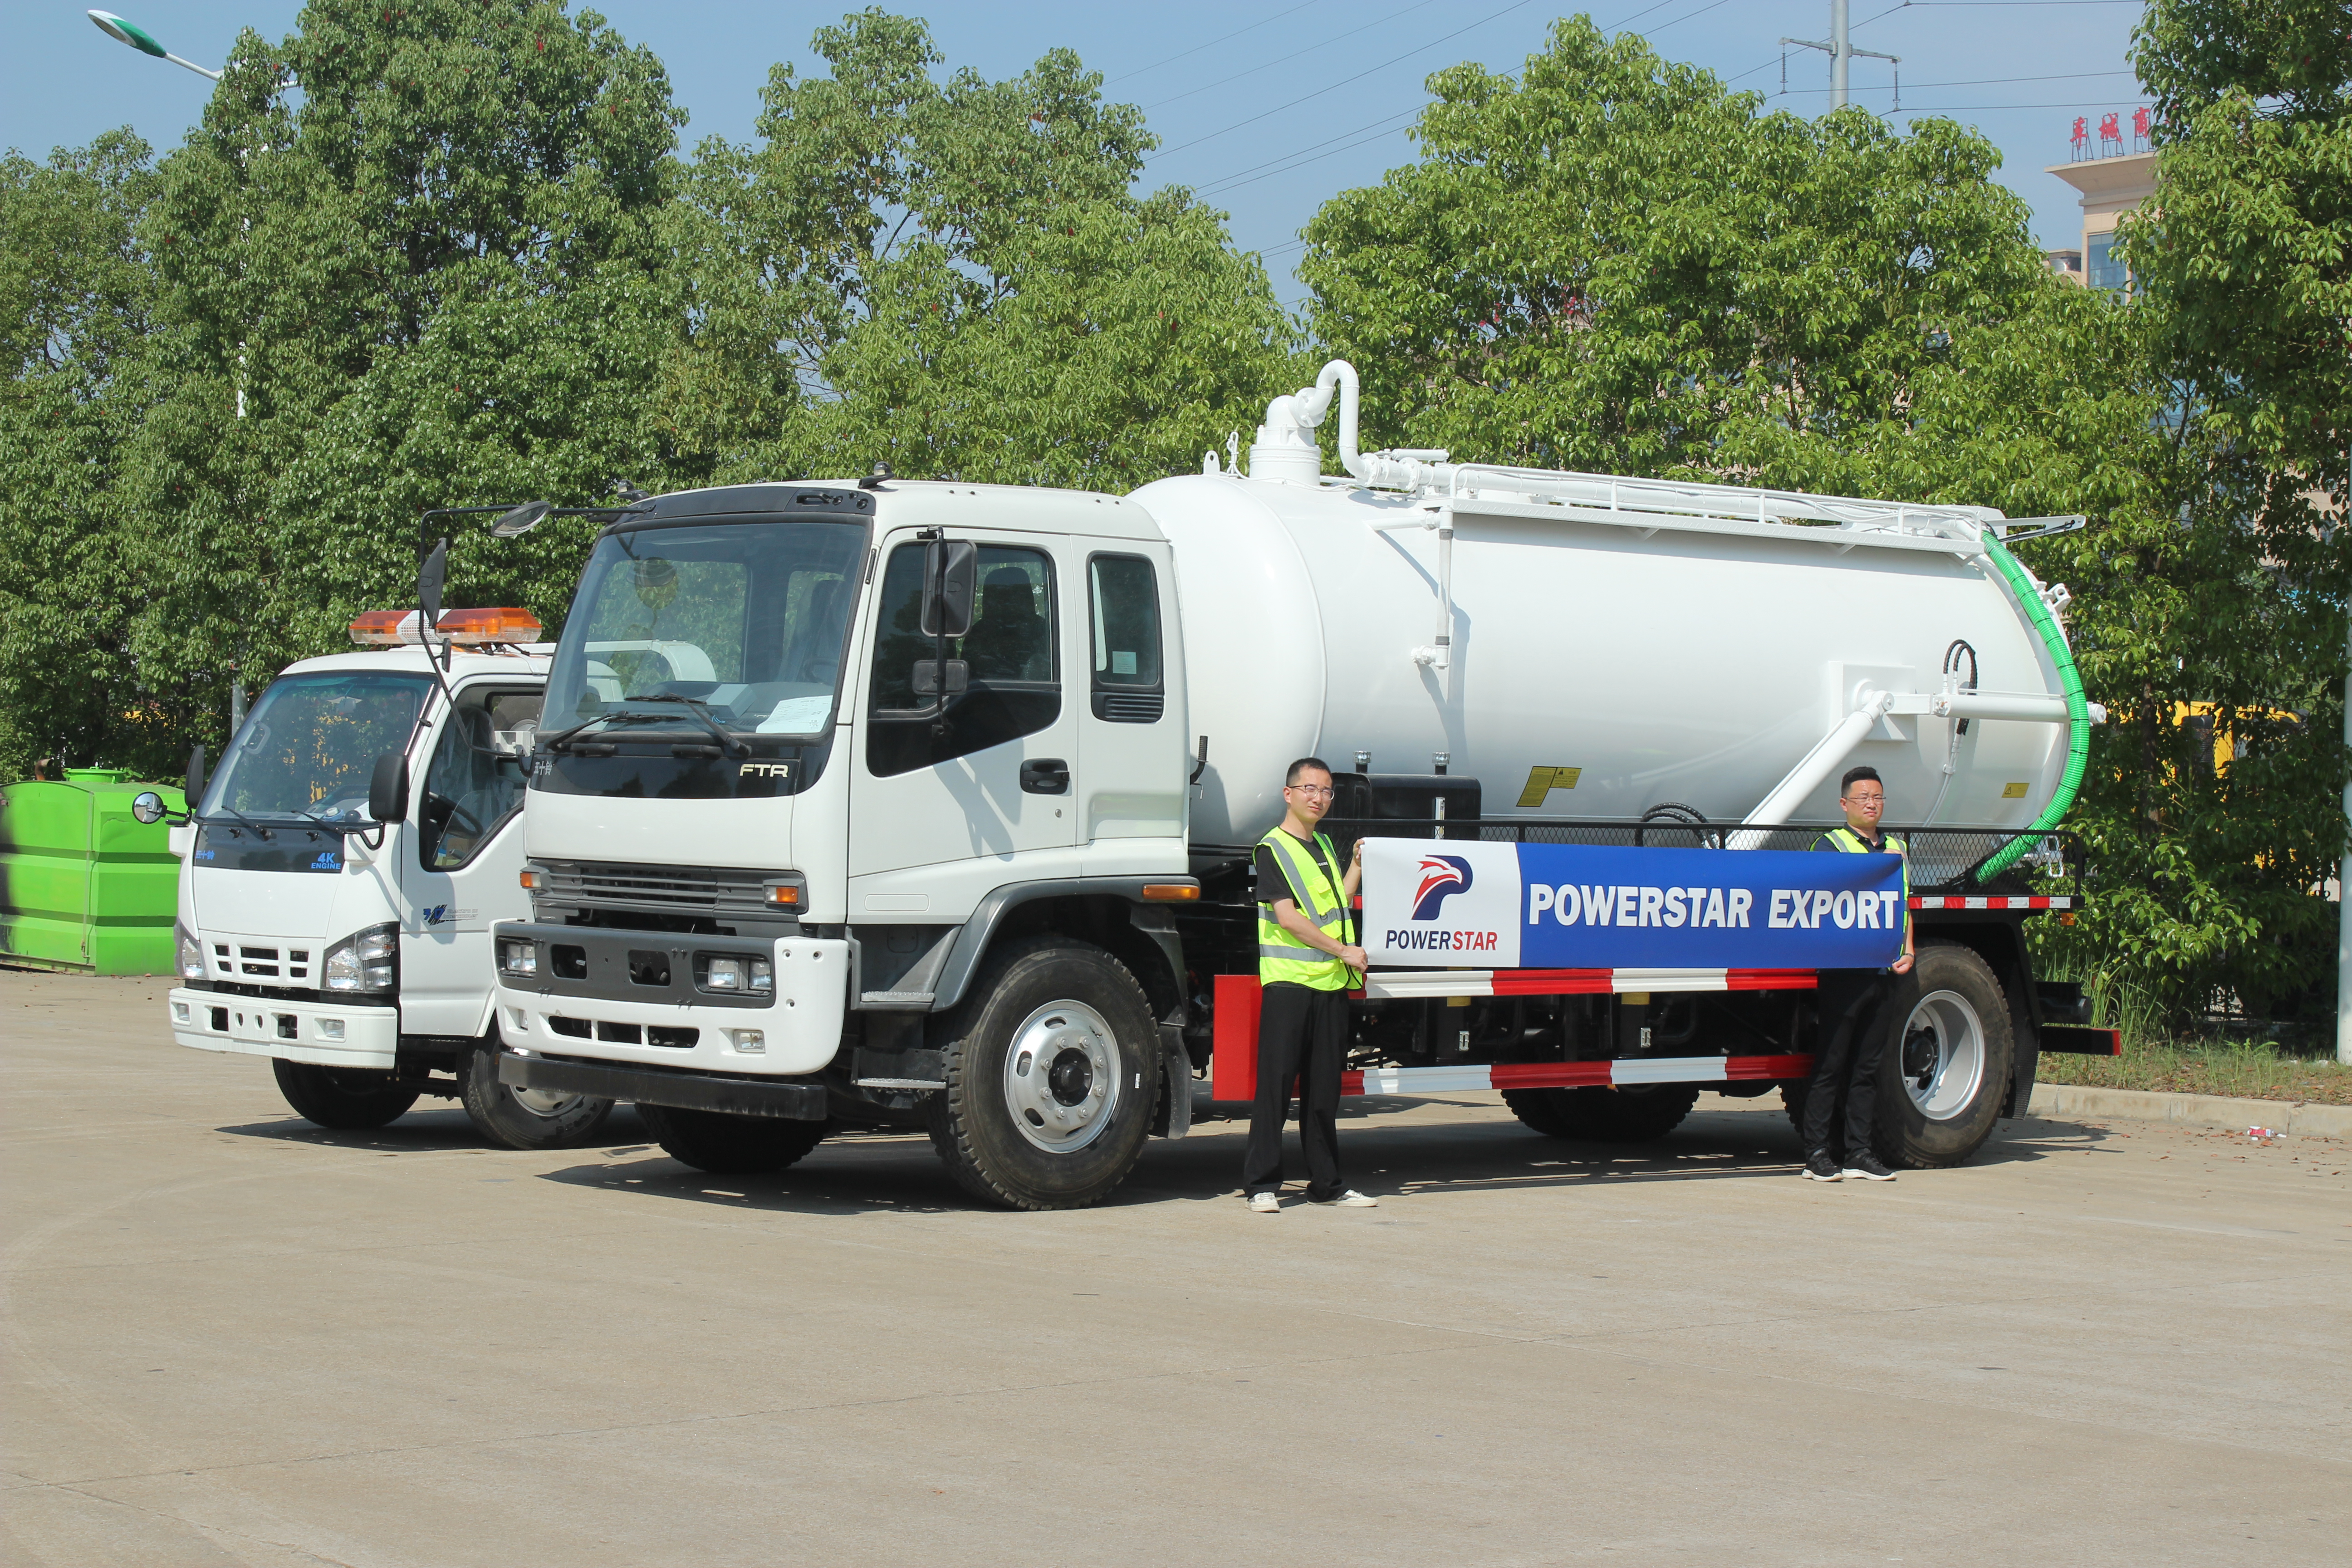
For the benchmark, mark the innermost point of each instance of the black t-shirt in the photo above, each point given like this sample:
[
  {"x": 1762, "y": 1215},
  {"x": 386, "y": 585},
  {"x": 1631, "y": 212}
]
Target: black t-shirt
[{"x": 1272, "y": 884}]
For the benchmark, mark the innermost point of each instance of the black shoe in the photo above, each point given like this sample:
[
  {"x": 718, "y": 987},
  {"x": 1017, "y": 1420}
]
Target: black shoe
[
  {"x": 1867, "y": 1167},
  {"x": 1819, "y": 1167}
]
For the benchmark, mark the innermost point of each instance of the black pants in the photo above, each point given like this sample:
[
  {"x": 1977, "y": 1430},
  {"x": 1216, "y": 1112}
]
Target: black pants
[
  {"x": 1302, "y": 1037},
  {"x": 1846, "y": 1058}
]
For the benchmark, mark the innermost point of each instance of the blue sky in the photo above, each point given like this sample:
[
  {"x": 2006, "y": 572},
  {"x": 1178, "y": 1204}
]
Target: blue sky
[{"x": 1266, "y": 109}]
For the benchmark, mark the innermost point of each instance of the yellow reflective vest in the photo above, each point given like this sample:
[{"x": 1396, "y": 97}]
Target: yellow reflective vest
[
  {"x": 1282, "y": 957},
  {"x": 1852, "y": 843}
]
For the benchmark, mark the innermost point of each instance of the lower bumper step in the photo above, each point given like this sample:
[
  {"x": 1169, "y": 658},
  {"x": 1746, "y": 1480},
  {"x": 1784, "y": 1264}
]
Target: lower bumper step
[{"x": 787, "y": 1099}]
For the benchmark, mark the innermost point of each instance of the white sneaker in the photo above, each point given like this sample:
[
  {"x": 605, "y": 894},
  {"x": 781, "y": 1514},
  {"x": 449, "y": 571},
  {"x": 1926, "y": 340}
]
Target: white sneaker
[
  {"x": 1352, "y": 1199},
  {"x": 1265, "y": 1202}
]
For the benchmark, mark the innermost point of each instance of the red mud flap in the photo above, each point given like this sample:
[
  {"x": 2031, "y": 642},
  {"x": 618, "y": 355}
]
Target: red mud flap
[
  {"x": 1232, "y": 1074},
  {"x": 2082, "y": 1040}
]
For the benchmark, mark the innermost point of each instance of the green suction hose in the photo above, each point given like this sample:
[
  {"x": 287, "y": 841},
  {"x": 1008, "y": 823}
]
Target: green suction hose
[{"x": 2078, "y": 710}]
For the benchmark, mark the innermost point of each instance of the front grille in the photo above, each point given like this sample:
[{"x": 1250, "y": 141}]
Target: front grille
[
  {"x": 261, "y": 964},
  {"x": 705, "y": 891}
]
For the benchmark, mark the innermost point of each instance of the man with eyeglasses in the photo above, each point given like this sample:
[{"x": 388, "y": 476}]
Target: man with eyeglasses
[
  {"x": 1307, "y": 960},
  {"x": 1846, "y": 1055}
]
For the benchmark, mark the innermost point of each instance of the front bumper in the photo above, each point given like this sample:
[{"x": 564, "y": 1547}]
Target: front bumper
[
  {"x": 600, "y": 1013},
  {"x": 330, "y": 1034},
  {"x": 734, "y": 1094}
]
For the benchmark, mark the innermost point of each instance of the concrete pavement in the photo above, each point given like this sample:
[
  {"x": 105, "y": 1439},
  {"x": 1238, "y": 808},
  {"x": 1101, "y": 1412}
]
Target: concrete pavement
[{"x": 233, "y": 1337}]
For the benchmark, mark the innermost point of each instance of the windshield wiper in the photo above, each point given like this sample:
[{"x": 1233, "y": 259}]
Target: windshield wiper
[
  {"x": 558, "y": 740},
  {"x": 701, "y": 710},
  {"x": 258, "y": 831}
]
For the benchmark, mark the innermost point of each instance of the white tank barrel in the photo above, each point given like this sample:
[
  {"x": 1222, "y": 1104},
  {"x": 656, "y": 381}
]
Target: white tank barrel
[{"x": 1588, "y": 647}]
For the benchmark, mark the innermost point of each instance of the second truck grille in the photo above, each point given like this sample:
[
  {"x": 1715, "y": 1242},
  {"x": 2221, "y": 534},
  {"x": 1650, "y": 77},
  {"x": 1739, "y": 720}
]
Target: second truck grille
[{"x": 717, "y": 892}]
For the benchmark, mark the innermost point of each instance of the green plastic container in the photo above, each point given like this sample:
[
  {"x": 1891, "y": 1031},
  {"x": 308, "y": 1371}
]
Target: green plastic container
[{"x": 84, "y": 884}]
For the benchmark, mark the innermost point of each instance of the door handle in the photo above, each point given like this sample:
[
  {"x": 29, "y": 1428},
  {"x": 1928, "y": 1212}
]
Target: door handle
[{"x": 1045, "y": 775}]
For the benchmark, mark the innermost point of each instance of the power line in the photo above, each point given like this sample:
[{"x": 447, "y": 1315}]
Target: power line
[
  {"x": 1985, "y": 80},
  {"x": 1212, "y": 44},
  {"x": 1318, "y": 92},
  {"x": 1286, "y": 59}
]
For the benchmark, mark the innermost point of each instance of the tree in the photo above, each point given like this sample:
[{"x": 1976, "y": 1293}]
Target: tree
[
  {"x": 435, "y": 278},
  {"x": 960, "y": 281},
  {"x": 2217, "y": 620},
  {"x": 75, "y": 305}
]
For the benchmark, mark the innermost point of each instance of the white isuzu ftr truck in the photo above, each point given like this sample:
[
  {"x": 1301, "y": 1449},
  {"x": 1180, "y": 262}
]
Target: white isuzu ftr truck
[
  {"x": 930, "y": 806},
  {"x": 336, "y": 920}
]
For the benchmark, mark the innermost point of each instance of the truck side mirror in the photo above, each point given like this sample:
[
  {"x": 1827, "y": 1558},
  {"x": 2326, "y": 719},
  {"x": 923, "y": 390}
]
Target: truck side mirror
[
  {"x": 388, "y": 788},
  {"x": 950, "y": 577},
  {"x": 521, "y": 520},
  {"x": 147, "y": 807},
  {"x": 430, "y": 576},
  {"x": 931, "y": 681},
  {"x": 195, "y": 780}
]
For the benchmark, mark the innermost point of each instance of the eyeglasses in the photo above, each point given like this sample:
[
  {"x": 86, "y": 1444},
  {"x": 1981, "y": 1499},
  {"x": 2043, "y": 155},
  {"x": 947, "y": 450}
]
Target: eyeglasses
[{"x": 1325, "y": 790}]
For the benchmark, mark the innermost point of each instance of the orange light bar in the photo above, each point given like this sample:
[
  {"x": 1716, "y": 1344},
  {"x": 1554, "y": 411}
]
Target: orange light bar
[
  {"x": 1159, "y": 893},
  {"x": 383, "y": 628},
  {"x": 470, "y": 628}
]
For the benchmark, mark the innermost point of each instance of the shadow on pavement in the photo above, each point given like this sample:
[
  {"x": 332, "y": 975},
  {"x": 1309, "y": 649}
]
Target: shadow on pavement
[{"x": 431, "y": 1126}]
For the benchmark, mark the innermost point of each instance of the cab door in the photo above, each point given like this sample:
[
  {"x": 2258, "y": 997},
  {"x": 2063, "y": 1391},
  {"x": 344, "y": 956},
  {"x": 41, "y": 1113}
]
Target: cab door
[
  {"x": 461, "y": 869},
  {"x": 967, "y": 769},
  {"x": 1132, "y": 795}
]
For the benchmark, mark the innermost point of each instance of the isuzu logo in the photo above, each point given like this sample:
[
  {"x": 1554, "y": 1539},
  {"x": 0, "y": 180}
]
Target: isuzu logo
[{"x": 764, "y": 771}]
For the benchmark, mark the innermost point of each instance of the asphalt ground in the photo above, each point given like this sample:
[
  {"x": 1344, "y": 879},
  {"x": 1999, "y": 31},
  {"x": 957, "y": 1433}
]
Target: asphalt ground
[{"x": 233, "y": 1337}]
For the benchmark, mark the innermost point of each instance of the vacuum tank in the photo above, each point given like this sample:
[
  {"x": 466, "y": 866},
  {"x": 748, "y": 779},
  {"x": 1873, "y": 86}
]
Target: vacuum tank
[{"x": 1591, "y": 646}]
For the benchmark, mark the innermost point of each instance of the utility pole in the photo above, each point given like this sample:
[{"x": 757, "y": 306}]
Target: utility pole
[{"x": 1840, "y": 49}]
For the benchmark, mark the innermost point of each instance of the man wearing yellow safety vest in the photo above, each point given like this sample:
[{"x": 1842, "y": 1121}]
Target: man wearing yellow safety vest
[
  {"x": 1846, "y": 1055},
  {"x": 1307, "y": 960}
]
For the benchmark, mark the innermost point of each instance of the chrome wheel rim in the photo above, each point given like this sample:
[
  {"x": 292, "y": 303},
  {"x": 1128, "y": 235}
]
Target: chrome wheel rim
[
  {"x": 1943, "y": 1051},
  {"x": 1061, "y": 1077},
  {"x": 544, "y": 1102}
]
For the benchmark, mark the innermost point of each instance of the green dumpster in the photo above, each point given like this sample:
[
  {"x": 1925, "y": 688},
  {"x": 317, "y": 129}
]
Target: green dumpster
[{"x": 84, "y": 884}]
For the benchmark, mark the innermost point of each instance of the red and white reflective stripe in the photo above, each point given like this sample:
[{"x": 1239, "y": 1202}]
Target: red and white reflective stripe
[
  {"x": 1573, "y": 1075},
  {"x": 1935, "y": 903},
  {"x": 1402, "y": 984}
]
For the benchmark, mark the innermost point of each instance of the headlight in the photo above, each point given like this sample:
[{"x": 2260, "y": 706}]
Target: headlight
[
  {"x": 517, "y": 957},
  {"x": 365, "y": 960},
  {"x": 735, "y": 972},
  {"x": 192, "y": 954}
]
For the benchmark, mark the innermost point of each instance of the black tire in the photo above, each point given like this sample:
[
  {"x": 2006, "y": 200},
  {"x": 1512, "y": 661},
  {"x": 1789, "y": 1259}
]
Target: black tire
[
  {"x": 1949, "y": 1052},
  {"x": 519, "y": 1119},
  {"x": 348, "y": 1099},
  {"x": 1034, "y": 995},
  {"x": 1539, "y": 1109},
  {"x": 1626, "y": 1115},
  {"x": 729, "y": 1145}
]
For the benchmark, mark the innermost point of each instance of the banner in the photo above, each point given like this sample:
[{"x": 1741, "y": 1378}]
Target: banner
[{"x": 1471, "y": 905}]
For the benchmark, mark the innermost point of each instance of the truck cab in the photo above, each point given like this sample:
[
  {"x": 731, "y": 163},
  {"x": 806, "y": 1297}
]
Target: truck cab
[
  {"x": 336, "y": 920},
  {"x": 818, "y": 763}
]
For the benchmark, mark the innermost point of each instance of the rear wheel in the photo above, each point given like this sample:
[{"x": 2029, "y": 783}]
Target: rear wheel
[
  {"x": 728, "y": 1145},
  {"x": 1051, "y": 1080},
  {"x": 1598, "y": 1115},
  {"x": 346, "y": 1098},
  {"x": 1948, "y": 1063},
  {"x": 524, "y": 1118}
]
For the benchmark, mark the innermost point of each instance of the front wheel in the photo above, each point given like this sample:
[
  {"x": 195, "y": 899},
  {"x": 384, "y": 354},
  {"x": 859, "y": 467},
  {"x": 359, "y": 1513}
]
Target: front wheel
[
  {"x": 1053, "y": 1080},
  {"x": 524, "y": 1118},
  {"x": 348, "y": 1099},
  {"x": 729, "y": 1145}
]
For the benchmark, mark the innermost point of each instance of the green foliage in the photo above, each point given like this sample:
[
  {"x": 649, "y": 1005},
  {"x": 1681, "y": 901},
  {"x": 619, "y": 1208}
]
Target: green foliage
[
  {"x": 1615, "y": 264},
  {"x": 2228, "y": 591},
  {"x": 75, "y": 303},
  {"x": 961, "y": 281}
]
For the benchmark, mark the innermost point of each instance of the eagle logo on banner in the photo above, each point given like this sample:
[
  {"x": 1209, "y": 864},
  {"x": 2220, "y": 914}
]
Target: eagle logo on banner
[{"x": 1441, "y": 876}]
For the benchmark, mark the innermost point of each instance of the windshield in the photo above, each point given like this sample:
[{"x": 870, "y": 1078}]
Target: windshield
[
  {"x": 746, "y": 618},
  {"x": 309, "y": 745}
]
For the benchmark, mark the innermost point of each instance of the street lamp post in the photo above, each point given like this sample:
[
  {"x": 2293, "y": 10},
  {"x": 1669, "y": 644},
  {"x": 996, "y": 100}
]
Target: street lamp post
[{"x": 131, "y": 32}]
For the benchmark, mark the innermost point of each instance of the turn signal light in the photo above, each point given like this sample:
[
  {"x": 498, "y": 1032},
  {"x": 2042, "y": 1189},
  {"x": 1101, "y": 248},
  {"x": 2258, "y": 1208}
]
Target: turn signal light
[
  {"x": 469, "y": 629},
  {"x": 530, "y": 879},
  {"x": 784, "y": 895},
  {"x": 1157, "y": 892}
]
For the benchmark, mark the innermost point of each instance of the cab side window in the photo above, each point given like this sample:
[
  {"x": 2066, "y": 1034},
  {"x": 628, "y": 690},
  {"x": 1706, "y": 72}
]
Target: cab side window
[
  {"x": 1005, "y": 665},
  {"x": 476, "y": 777},
  {"x": 1123, "y": 597}
]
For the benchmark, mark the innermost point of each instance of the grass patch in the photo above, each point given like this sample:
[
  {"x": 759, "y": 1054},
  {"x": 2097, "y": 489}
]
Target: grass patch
[{"x": 2157, "y": 1059}]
